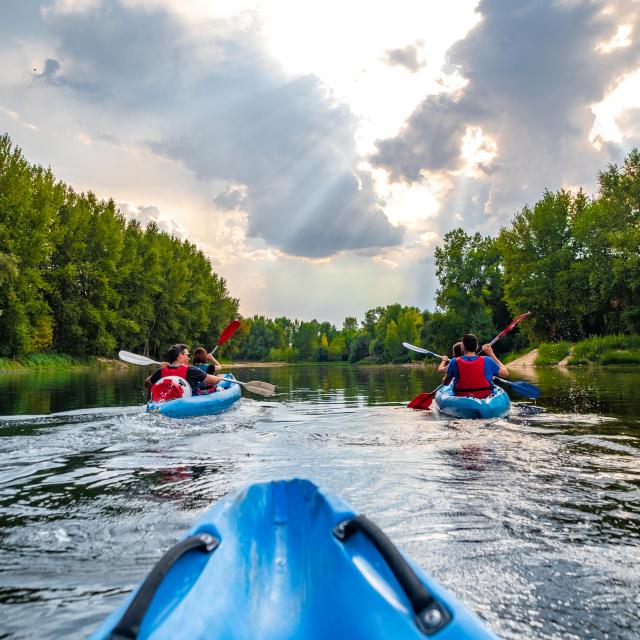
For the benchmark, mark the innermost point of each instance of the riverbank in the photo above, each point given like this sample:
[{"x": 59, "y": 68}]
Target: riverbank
[
  {"x": 597, "y": 350},
  {"x": 55, "y": 361}
]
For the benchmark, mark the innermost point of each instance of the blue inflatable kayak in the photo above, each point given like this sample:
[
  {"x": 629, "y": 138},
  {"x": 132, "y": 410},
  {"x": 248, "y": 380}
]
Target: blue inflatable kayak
[
  {"x": 199, "y": 405},
  {"x": 497, "y": 405},
  {"x": 283, "y": 560}
]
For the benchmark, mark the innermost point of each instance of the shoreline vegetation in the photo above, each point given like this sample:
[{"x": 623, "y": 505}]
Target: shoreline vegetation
[
  {"x": 99, "y": 282},
  {"x": 613, "y": 350}
]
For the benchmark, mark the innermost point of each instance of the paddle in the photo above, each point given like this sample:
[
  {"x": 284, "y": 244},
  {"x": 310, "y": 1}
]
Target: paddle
[
  {"x": 523, "y": 388},
  {"x": 424, "y": 400},
  {"x": 255, "y": 386},
  {"x": 412, "y": 347},
  {"x": 226, "y": 334},
  {"x": 514, "y": 323}
]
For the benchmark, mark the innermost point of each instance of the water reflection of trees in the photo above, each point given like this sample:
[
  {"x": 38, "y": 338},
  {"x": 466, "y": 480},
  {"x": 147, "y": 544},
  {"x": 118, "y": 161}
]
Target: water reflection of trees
[
  {"x": 602, "y": 390},
  {"x": 52, "y": 391},
  {"x": 356, "y": 384}
]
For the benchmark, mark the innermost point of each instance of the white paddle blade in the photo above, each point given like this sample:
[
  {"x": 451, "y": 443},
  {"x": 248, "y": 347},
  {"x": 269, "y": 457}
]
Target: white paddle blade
[
  {"x": 412, "y": 347},
  {"x": 134, "y": 358}
]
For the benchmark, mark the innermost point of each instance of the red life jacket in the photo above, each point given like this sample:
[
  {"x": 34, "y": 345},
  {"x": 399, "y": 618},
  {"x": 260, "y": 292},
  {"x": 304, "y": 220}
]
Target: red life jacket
[
  {"x": 180, "y": 371},
  {"x": 471, "y": 379},
  {"x": 166, "y": 388}
]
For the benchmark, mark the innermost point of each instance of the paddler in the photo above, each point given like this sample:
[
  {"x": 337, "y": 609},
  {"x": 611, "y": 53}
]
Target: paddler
[
  {"x": 472, "y": 374},
  {"x": 205, "y": 362},
  {"x": 456, "y": 350},
  {"x": 178, "y": 359}
]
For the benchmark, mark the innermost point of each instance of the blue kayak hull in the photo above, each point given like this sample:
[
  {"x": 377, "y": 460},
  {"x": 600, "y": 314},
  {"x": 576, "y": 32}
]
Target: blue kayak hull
[
  {"x": 497, "y": 405},
  {"x": 199, "y": 405},
  {"x": 280, "y": 571}
]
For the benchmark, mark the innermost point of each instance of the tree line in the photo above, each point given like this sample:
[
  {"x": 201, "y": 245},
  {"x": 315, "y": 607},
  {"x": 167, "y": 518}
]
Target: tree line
[{"x": 77, "y": 278}]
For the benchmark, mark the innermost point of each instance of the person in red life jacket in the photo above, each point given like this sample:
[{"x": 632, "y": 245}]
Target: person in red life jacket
[
  {"x": 472, "y": 374},
  {"x": 178, "y": 359},
  {"x": 207, "y": 363}
]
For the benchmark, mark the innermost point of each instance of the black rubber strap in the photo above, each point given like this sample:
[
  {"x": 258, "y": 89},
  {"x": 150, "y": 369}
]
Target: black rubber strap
[
  {"x": 456, "y": 390},
  {"x": 430, "y": 615},
  {"x": 129, "y": 625}
]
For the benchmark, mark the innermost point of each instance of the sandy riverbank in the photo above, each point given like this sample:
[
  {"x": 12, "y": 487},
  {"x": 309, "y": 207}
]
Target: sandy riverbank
[{"x": 527, "y": 360}]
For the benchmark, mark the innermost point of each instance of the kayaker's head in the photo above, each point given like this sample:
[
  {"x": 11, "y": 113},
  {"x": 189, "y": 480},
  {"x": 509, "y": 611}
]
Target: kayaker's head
[
  {"x": 470, "y": 343},
  {"x": 457, "y": 350},
  {"x": 200, "y": 356},
  {"x": 178, "y": 354}
]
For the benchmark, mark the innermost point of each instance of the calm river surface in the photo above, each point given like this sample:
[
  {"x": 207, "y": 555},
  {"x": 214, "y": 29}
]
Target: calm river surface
[{"x": 533, "y": 521}]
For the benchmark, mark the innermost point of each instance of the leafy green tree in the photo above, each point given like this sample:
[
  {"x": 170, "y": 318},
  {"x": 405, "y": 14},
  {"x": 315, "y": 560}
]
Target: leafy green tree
[
  {"x": 359, "y": 348},
  {"x": 538, "y": 252}
]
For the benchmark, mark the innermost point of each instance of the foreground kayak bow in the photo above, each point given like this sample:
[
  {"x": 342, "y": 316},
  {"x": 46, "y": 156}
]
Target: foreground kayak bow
[{"x": 283, "y": 560}]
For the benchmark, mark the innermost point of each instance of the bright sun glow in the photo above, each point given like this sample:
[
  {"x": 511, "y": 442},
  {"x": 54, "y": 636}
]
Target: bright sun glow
[
  {"x": 620, "y": 39},
  {"x": 477, "y": 150},
  {"x": 626, "y": 95}
]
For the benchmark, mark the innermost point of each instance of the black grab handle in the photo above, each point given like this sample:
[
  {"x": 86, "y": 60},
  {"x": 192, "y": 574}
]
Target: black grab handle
[
  {"x": 430, "y": 615},
  {"x": 129, "y": 625}
]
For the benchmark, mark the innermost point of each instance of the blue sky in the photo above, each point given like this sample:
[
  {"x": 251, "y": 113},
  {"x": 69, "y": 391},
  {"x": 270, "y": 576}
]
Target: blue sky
[{"x": 318, "y": 152}]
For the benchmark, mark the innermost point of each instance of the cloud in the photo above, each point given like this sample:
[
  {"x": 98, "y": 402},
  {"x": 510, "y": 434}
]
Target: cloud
[
  {"x": 407, "y": 57},
  {"x": 145, "y": 214},
  {"x": 51, "y": 69},
  {"x": 232, "y": 197},
  {"x": 214, "y": 101},
  {"x": 431, "y": 139},
  {"x": 534, "y": 72}
]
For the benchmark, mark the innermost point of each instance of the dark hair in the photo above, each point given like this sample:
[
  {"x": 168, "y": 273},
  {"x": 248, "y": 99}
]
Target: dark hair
[
  {"x": 457, "y": 350},
  {"x": 175, "y": 351},
  {"x": 470, "y": 342},
  {"x": 200, "y": 356}
]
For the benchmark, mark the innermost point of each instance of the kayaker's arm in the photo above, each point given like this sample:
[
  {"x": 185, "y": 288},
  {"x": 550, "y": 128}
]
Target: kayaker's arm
[
  {"x": 211, "y": 379},
  {"x": 213, "y": 361},
  {"x": 444, "y": 363},
  {"x": 148, "y": 383},
  {"x": 488, "y": 349}
]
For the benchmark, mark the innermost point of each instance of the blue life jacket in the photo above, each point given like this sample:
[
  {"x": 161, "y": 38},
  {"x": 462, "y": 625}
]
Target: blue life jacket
[{"x": 203, "y": 367}]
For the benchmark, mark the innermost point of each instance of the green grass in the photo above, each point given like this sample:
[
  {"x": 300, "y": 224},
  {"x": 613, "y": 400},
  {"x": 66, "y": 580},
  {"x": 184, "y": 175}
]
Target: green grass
[
  {"x": 550, "y": 353},
  {"x": 614, "y": 349},
  {"x": 622, "y": 356},
  {"x": 46, "y": 361}
]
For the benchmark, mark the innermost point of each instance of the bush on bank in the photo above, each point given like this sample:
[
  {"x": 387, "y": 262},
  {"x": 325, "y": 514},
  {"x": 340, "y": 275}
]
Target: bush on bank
[
  {"x": 47, "y": 361},
  {"x": 604, "y": 350}
]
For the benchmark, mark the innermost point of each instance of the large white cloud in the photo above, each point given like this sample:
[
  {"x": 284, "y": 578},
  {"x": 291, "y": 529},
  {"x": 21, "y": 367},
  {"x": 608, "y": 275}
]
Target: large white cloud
[
  {"x": 215, "y": 101},
  {"x": 534, "y": 72}
]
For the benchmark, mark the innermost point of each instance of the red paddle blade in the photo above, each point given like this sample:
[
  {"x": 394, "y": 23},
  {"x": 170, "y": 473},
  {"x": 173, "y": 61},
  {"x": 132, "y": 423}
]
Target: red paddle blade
[
  {"x": 515, "y": 322},
  {"x": 421, "y": 401},
  {"x": 233, "y": 326}
]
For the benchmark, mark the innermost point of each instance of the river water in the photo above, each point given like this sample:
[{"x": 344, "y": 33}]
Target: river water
[{"x": 533, "y": 520}]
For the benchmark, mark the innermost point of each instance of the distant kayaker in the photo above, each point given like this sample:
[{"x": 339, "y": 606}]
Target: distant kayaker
[
  {"x": 472, "y": 374},
  {"x": 178, "y": 359},
  {"x": 205, "y": 362}
]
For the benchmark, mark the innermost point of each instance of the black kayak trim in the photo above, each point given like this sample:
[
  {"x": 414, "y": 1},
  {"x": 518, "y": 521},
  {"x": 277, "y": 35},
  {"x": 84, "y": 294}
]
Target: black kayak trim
[
  {"x": 129, "y": 625},
  {"x": 430, "y": 615}
]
